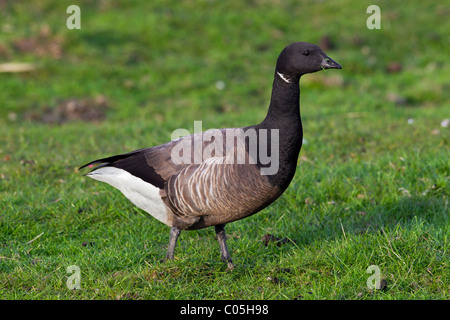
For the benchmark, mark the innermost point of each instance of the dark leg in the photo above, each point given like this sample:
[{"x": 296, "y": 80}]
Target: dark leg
[
  {"x": 222, "y": 238},
  {"x": 174, "y": 233}
]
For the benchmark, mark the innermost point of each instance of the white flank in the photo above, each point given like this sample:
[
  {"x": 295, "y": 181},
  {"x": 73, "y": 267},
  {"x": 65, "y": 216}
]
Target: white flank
[
  {"x": 142, "y": 194},
  {"x": 282, "y": 76}
]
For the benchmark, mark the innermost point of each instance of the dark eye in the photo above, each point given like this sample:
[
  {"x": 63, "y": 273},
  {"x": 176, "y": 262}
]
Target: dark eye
[{"x": 306, "y": 52}]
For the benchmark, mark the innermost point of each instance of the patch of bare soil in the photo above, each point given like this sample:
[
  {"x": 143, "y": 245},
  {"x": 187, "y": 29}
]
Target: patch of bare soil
[
  {"x": 44, "y": 44},
  {"x": 83, "y": 109}
]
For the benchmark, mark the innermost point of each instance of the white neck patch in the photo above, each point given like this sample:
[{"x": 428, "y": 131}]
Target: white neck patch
[{"x": 282, "y": 76}]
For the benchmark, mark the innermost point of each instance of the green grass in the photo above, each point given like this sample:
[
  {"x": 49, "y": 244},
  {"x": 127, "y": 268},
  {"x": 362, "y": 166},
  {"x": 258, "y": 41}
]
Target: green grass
[{"x": 370, "y": 188}]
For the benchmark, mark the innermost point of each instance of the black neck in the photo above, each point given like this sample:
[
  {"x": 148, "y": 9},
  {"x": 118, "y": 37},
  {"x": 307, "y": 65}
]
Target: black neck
[
  {"x": 284, "y": 115},
  {"x": 284, "y": 105}
]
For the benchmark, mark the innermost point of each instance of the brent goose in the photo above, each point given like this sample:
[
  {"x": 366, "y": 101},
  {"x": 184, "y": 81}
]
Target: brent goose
[{"x": 218, "y": 176}]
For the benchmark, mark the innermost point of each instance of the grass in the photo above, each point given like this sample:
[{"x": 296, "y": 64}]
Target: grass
[{"x": 372, "y": 182}]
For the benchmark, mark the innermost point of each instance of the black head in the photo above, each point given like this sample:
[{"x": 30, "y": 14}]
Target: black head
[{"x": 302, "y": 57}]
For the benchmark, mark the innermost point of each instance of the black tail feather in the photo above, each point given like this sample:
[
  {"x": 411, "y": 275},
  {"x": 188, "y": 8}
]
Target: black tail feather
[
  {"x": 109, "y": 160},
  {"x": 134, "y": 162}
]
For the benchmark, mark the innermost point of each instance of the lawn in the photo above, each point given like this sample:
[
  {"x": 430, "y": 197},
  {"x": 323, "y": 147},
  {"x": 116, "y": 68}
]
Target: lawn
[{"x": 372, "y": 182}]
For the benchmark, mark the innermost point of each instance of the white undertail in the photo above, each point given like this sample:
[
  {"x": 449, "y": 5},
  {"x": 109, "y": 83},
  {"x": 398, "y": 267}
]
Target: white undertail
[{"x": 144, "y": 195}]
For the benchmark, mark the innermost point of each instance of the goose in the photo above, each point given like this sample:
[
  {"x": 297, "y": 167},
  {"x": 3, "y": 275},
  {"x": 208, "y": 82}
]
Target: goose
[{"x": 218, "y": 176}]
